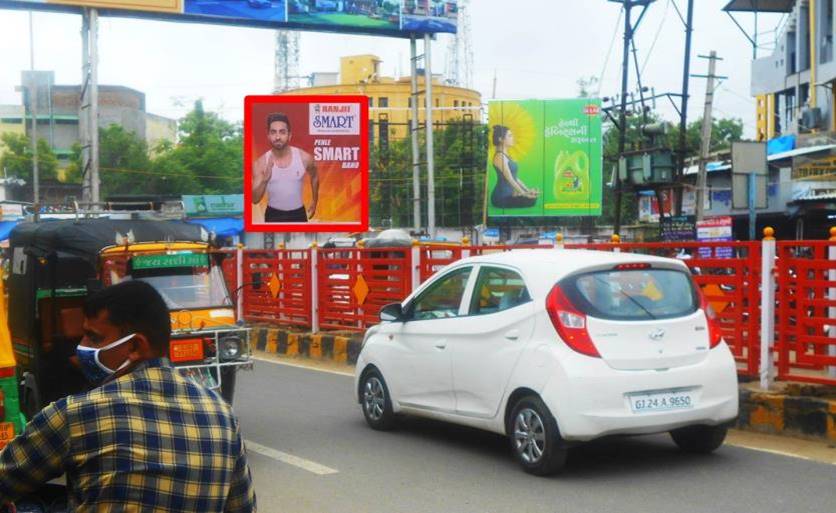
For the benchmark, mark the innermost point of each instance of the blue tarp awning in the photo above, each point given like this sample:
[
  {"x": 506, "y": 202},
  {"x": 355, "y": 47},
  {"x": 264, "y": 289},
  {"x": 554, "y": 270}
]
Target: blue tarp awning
[
  {"x": 222, "y": 226},
  {"x": 6, "y": 228}
]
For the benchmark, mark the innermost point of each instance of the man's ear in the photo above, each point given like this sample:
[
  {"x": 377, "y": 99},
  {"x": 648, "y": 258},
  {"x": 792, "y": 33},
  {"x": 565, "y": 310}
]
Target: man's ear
[{"x": 141, "y": 348}]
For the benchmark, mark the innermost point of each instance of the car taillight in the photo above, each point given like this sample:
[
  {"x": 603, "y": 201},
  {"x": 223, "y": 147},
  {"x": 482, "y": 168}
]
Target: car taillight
[
  {"x": 570, "y": 323},
  {"x": 714, "y": 333},
  {"x": 631, "y": 267}
]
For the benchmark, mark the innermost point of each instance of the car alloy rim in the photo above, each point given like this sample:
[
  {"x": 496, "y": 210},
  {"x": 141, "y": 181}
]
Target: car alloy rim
[
  {"x": 529, "y": 435},
  {"x": 374, "y": 398}
]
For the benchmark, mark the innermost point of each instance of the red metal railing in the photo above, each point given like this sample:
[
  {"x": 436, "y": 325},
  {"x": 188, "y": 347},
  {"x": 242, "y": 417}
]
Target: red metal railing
[
  {"x": 354, "y": 283},
  {"x": 277, "y": 287},
  {"x": 805, "y": 328},
  {"x": 434, "y": 257}
]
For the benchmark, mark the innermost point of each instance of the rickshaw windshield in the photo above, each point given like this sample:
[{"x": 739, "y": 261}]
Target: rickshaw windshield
[{"x": 181, "y": 286}]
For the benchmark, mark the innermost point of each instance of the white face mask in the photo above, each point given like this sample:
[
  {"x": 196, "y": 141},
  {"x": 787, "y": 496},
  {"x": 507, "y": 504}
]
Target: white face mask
[{"x": 92, "y": 367}]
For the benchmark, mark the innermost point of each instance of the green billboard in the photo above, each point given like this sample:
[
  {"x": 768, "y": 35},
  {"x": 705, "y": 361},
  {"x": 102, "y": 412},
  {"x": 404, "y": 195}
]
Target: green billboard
[{"x": 544, "y": 158}]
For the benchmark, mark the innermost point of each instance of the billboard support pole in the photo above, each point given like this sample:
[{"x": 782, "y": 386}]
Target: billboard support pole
[
  {"x": 33, "y": 112},
  {"x": 622, "y": 121},
  {"x": 413, "y": 128},
  {"x": 84, "y": 105},
  {"x": 428, "y": 120},
  {"x": 94, "y": 105}
]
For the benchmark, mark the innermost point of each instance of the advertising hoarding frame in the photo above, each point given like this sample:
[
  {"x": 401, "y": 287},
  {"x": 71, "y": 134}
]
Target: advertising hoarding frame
[
  {"x": 360, "y": 226},
  {"x": 67, "y": 6},
  {"x": 550, "y": 141}
]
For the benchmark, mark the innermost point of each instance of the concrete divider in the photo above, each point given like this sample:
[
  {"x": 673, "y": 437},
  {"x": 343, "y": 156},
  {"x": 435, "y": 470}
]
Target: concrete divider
[
  {"x": 339, "y": 347},
  {"x": 801, "y": 411}
]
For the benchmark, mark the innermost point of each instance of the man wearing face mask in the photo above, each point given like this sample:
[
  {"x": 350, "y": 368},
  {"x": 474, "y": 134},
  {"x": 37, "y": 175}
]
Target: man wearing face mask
[{"x": 146, "y": 438}]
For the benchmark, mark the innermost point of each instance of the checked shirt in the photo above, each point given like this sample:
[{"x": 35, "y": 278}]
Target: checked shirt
[{"x": 148, "y": 441}]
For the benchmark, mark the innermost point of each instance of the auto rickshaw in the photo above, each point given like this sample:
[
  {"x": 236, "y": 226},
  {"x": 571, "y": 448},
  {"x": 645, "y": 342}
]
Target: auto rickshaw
[{"x": 56, "y": 264}]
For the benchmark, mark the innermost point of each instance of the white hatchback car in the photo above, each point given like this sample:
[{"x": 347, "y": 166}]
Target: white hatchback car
[{"x": 554, "y": 347}]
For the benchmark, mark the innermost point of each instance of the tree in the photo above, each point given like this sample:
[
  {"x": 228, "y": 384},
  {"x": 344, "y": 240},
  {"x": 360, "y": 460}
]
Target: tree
[
  {"x": 123, "y": 162},
  {"x": 460, "y": 156},
  {"x": 16, "y": 159},
  {"x": 211, "y": 150}
]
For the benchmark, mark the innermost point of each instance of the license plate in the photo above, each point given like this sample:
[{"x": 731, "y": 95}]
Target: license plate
[
  {"x": 665, "y": 400},
  {"x": 187, "y": 350},
  {"x": 7, "y": 433}
]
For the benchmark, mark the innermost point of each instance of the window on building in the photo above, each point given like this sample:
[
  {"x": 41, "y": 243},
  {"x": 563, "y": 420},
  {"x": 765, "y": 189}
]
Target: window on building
[
  {"x": 456, "y": 103},
  {"x": 371, "y": 101},
  {"x": 804, "y": 22},
  {"x": 826, "y": 27},
  {"x": 383, "y": 102}
]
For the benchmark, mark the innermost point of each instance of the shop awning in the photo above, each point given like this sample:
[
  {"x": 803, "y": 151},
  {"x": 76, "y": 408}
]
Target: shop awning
[
  {"x": 221, "y": 226},
  {"x": 760, "y": 6}
]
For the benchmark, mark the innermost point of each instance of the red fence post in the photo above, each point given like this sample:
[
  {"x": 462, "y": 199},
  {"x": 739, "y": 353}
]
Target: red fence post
[
  {"x": 416, "y": 264},
  {"x": 766, "y": 371},
  {"x": 314, "y": 284}
]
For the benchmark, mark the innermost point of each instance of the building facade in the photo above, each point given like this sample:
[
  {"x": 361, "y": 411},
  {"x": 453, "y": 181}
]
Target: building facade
[
  {"x": 58, "y": 108},
  {"x": 795, "y": 91},
  {"x": 390, "y": 98}
]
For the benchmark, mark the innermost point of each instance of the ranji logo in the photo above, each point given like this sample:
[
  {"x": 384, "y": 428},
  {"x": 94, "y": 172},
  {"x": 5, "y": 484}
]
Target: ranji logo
[
  {"x": 591, "y": 110},
  {"x": 334, "y": 119}
]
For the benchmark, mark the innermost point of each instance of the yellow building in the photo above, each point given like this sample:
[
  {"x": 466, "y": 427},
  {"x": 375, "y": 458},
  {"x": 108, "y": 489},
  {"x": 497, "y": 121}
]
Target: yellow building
[{"x": 389, "y": 98}]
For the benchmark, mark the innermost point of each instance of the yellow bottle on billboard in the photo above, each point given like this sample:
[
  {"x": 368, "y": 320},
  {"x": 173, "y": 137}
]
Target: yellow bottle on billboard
[{"x": 571, "y": 176}]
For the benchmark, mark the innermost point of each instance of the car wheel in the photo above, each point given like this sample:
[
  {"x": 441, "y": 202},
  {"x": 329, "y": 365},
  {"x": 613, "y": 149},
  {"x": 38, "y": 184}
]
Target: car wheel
[
  {"x": 377, "y": 406},
  {"x": 535, "y": 438},
  {"x": 699, "y": 439}
]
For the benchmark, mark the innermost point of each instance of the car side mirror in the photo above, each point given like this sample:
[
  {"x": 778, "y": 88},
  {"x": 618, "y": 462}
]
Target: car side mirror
[{"x": 392, "y": 313}]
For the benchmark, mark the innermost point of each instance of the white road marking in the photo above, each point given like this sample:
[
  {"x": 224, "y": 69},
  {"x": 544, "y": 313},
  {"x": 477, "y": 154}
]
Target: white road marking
[
  {"x": 302, "y": 366},
  {"x": 774, "y": 451},
  {"x": 296, "y": 461}
]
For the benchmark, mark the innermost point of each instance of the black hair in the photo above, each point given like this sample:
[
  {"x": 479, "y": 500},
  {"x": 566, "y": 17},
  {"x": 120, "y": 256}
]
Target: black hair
[
  {"x": 134, "y": 306},
  {"x": 499, "y": 133},
  {"x": 278, "y": 116}
]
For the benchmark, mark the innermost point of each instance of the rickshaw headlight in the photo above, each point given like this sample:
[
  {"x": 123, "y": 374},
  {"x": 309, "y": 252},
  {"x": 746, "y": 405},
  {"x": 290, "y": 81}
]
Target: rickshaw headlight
[{"x": 230, "y": 347}]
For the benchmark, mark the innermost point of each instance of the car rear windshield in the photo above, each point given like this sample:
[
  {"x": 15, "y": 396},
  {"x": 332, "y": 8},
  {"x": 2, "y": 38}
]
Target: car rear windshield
[{"x": 636, "y": 294}]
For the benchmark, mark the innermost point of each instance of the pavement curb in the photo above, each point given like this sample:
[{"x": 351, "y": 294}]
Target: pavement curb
[
  {"x": 806, "y": 416},
  {"x": 798, "y": 411},
  {"x": 338, "y": 347}
]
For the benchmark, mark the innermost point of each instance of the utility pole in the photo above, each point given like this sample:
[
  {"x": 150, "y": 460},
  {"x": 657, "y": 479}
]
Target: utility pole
[
  {"x": 413, "y": 132},
  {"x": 683, "y": 110},
  {"x": 707, "y": 122},
  {"x": 33, "y": 111},
  {"x": 428, "y": 121},
  {"x": 629, "y": 30}
]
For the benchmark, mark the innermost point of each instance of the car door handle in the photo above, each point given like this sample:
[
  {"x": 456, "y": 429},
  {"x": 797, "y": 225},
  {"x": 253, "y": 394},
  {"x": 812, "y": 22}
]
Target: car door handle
[
  {"x": 441, "y": 344},
  {"x": 513, "y": 335}
]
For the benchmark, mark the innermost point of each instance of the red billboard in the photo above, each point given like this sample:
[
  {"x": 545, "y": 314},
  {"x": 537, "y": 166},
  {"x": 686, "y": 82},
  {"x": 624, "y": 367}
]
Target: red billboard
[{"x": 306, "y": 163}]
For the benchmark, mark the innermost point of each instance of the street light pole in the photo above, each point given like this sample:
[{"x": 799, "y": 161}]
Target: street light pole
[{"x": 33, "y": 112}]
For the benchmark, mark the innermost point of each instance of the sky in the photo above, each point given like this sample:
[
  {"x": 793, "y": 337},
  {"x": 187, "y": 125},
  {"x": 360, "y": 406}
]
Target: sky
[{"x": 530, "y": 48}]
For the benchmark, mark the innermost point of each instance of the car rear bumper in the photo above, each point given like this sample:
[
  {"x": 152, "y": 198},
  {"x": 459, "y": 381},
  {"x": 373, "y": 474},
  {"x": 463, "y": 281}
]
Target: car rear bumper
[{"x": 591, "y": 400}]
